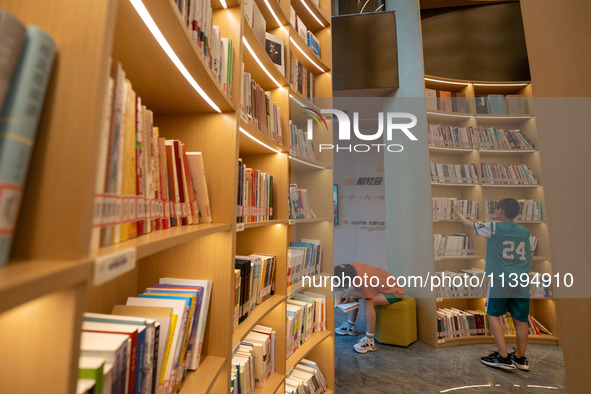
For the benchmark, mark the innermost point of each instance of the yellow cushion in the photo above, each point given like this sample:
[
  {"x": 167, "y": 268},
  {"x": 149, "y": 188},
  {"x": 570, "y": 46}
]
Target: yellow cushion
[{"x": 396, "y": 324}]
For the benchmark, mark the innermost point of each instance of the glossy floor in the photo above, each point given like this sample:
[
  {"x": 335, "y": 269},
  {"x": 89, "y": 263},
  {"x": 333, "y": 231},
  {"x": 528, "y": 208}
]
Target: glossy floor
[{"x": 421, "y": 368}]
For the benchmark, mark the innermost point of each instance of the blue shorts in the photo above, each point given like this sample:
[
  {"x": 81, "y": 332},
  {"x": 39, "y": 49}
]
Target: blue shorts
[{"x": 518, "y": 307}]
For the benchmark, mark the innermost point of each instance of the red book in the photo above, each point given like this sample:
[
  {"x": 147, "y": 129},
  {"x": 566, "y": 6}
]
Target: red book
[
  {"x": 190, "y": 187},
  {"x": 164, "y": 195}
]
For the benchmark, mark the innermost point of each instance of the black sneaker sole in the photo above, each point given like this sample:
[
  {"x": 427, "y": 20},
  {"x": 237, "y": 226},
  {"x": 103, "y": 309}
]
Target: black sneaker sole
[
  {"x": 506, "y": 367},
  {"x": 521, "y": 367}
]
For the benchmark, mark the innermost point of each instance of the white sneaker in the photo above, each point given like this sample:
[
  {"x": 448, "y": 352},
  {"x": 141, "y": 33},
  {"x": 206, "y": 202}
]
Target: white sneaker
[
  {"x": 346, "y": 329},
  {"x": 365, "y": 345}
]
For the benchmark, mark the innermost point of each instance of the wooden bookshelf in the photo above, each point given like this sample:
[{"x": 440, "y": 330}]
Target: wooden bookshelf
[
  {"x": 541, "y": 308},
  {"x": 48, "y": 281}
]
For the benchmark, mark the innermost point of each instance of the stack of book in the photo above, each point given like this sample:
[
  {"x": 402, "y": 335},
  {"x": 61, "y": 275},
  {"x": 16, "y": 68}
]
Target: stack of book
[
  {"x": 254, "y": 360},
  {"x": 25, "y": 68},
  {"x": 473, "y": 283},
  {"x": 258, "y": 109},
  {"x": 442, "y": 208},
  {"x": 215, "y": 50},
  {"x": 443, "y": 100},
  {"x": 300, "y": 144},
  {"x": 300, "y": 78},
  {"x": 306, "y": 377},
  {"x": 255, "y": 195},
  {"x": 299, "y": 203},
  {"x": 453, "y": 173},
  {"x": 493, "y": 138},
  {"x": 254, "y": 283},
  {"x": 507, "y": 174},
  {"x": 529, "y": 210},
  {"x": 147, "y": 345},
  {"x": 144, "y": 182},
  {"x": 306, "y": 313},
  {"x": 451, "y": 136},
  {"x": 453, "y": 245}
]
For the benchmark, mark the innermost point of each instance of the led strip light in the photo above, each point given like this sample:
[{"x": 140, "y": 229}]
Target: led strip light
[
  {"x": 273, "y": 13},
  {"x": 500, "y": 84},
  {"x": 259, "y": 62},
  {"x": 303, "y": 53},
  {"x": 223, "y": 3},
  {"x": 448, "y": 82},
  {"x": 452, "y": 115},
  {"x": 306, "y": 163},
  {"x": 257, "y": 141},
  {"x": 151, "y": 25},
  {"x": 313, "y": 14}
]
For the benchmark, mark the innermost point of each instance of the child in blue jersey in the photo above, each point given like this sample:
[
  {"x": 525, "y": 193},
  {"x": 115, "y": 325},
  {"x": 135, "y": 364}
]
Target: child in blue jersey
[{"x": 507, "y": 257}]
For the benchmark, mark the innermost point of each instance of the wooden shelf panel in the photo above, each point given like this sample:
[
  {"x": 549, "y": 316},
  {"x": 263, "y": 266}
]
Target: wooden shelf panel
[
  {"x": 454, "y": 184},
  {"x": 305, "y": 8},
  {"x": 313, "y": 220},
  {"x": 271, "y": 385},
  {"x": 543, "y": 339},
  {"x": 201, "y": 380},
  {"x": 160, "y": 240},
  {"x": 154, "y": 76},
  {"x": 443, "y": 258},
  {"x": 493, "y": 185},
  {"x": 305, "y": 55},
  {"x": 263, "y": 223},
  {"x": 502, "y": 119},
  {"x": 301, "y": 100},
  {"x": 299, "y": 163},
  {"x": 444, "y": 116},
  {"x": 249, "y": 146},
  {"x": 256, "y": 69},
  {"x": 23, "y": 281},
  {"x": 255, "y": 317},
  {"x": 505, "y": 151},
  {"x": 306, "y": 348},
  {"x": 443, "y": 149},
  {"x": 269, "y": 18}
]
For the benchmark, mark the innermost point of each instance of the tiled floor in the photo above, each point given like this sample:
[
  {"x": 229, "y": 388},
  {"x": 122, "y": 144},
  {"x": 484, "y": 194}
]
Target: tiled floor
[{"x": 421, "y": 368}]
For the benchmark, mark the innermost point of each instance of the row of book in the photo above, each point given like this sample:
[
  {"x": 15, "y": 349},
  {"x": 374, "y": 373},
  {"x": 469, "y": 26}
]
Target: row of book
[
  {"x": 452, "y": 136},
  {"x": 303, "y": 258},
  {"x": 307, "y": 36},
  {"x": 254, "y": 283},
  {"x": 507, "y": 174},
  {"x": 453, "y": 245},
  {"x": 300, "y": 144},
  {"x": 258, "y": 109},
  {"x": 471, "y": 283},
  {"x": 25, "y": 68},
  {"x": 529, "y": 210},
  {"x": 453, "y": 173},
  {"x": 443, "y": 100},
  {"x": 442, "y": 208},
  {"x": 305, "y": 378},
  {"x": 149, "y": 343},
  {"x": 497, "y": 104},
  {"x": 493, "y": 138},
  {"x": 299, "y": 203},
  {"x": 300, "y": 78},
  {"x": 253, "y": 361},
  {"x": 255, "y": 195},
  {"x": 306, "y": 314},
  {"x": 144, "y": 182},
  {"x": 215, "y": 50}
]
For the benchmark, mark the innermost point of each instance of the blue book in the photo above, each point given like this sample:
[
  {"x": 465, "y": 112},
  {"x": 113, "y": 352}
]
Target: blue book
[
  {"x": 19, "y": 119},
  {"x": 313, "y": 43},
  {"x": 496, "y": 104}
]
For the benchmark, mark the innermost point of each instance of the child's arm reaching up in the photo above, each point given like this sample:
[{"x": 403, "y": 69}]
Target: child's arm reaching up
[{"x": 460, "y": 215}]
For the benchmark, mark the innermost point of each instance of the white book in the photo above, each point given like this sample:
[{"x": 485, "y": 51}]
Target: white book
[
  {"x": 259, "y": 25},
  {"x": 115, "y": 349},
  {"x": 248, "y": 6}
]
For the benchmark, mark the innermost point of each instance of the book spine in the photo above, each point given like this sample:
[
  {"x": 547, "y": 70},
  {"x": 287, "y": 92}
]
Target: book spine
[
  {"x": 18, "y": 127},
  {"x": 13, "y": 34}
]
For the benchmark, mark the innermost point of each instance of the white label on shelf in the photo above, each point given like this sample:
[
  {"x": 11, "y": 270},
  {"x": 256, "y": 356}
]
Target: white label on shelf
[
  {"x": 439, "y": 300},
  {"x": 436, "y": 220},
  {"x": 113, "y": 265},
  {"x": 437, "y": 258},
  {"x": 239, "y": 227},
  {"x": 440, "y": 341},
  {"x": 291, "y": 221}
]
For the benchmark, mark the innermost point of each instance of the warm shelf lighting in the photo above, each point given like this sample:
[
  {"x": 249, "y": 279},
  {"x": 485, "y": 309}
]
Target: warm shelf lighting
[
  {"x": 259, "y": 62},
  {"x": 452, "y": 115},
  {"x": 151, "y": 25},
  {"x": 257, "y": 141},
  {"x": 466, "y": 387},
  {"x": 306, "y": 163},
  {"x": 448, "y": 82},
  {"x": 273, "y": 13},
  {"x": 223, "y": 3},
  {"x": 296, "y": 100},
  {"x": 504, "y": 117},
  {"x": 303, "y": 53},
  {"x": 501, "y": 84},
  {"x": 313, "y": 14}
]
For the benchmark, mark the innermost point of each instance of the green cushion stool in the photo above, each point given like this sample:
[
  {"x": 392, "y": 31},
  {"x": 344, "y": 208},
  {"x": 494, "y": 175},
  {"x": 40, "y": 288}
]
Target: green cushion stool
[{"x": 396, "y": 324}]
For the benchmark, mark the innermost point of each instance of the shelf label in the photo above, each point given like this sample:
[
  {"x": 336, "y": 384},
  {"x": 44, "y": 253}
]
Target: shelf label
[
  {"x": 440, "y": 341},
  {"x": 113, "y": 265},
  {"x": 439, "y": 300},
  {"x": 239, "y": 227},
  {"x": 437, "y": 259},
  {"x": 291, "y": 222}
]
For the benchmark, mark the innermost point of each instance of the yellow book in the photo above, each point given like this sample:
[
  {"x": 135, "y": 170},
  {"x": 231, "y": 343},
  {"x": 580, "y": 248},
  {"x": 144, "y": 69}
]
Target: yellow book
[{"x": 173, "y": 321}]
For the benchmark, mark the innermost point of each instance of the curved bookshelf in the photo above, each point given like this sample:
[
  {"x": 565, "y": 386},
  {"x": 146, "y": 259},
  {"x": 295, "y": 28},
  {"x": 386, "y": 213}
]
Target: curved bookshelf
[
  {"x": 254, "y": 141},
  {"x": 315, "y": 339},
  {"x": 202, "y": 380},
  {"x": 543, "y": 339},
  {"x": 305, "y": 55},
  {"x": 255, "y": 317}
]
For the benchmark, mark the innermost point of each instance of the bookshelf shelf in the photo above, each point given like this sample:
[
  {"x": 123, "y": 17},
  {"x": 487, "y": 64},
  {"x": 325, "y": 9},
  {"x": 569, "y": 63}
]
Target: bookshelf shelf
[
  {"x": 23, "y": 281},
  {"x": 306, "y": 348},
  {"x": 202, "y": 380},
  {"x": 135, "y": 47},
  {"x": 274, "y": 15},
  {"x": 301, "y": 100},
  {"x": 542, "y": 309},
  {"x": 543, "y": 339},
  {"x": 305, "y": 55},
  {"x": 255, "y": 317},
  {"x": 264, "y": 223},
  {"x": 258, "y": 63},
  {"x": 271, "y": 385},
  {"x": 299, "y": 163},
  {"x": 313, "y": 17},
  {"x": 257, "y": 142},
  {"x": 313, "y": 220},
  {"x": 158, "y": 241}
]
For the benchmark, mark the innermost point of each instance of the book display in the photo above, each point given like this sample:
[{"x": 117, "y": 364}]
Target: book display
[
  {"x": 483, "y": 146},
  {"x": 134, "y": 190}
]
